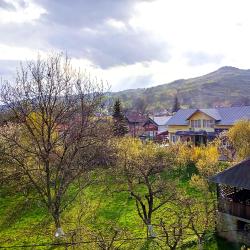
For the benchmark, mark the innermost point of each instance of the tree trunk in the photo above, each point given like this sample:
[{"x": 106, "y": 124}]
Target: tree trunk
[
  {"x": 150, "y": 231},
  {"x": 59, "y": 231},
  {"x": 200, "y": 246}
]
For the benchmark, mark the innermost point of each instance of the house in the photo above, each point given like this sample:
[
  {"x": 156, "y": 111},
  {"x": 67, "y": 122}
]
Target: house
[
  {"x": 233, "y": 196},
  {"x": 156, "y": 127},
  {"x": 201, "y": 125},
  {"x": 135, "y": 123}
]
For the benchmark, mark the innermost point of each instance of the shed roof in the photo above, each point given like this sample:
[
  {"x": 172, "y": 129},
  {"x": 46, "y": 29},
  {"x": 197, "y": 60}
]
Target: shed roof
[{"x": 236, "y": 176}]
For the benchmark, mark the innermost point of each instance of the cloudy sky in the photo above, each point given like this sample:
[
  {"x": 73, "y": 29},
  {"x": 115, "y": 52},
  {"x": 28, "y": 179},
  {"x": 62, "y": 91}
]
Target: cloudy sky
[{"x": 129, "y": 43}]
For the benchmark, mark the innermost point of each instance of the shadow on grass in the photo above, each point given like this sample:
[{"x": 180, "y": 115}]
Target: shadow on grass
[{"x": 223, "y": 244}]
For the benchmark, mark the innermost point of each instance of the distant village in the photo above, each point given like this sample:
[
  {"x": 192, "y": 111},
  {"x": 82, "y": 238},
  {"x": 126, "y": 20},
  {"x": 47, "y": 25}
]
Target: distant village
[{"x": 192, "y": 126}]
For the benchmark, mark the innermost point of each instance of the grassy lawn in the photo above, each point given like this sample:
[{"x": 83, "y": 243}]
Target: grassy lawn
[
  {"x": 22, "y": 221},
  {"x": 25, "y": 221}
]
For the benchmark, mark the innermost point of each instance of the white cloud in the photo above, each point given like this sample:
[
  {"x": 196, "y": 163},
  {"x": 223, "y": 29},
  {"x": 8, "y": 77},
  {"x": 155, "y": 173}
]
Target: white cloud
[
  {"x": 18, "y": 53},
  {"x": 210, "y": 26},
  {"x": 116, "y": 24},
  {"x": 28, "y": 12}
]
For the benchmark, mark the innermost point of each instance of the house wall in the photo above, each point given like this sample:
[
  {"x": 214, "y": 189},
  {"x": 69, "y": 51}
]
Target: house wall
[
  {"x": 135, "y": 129},
  {"x": 150, "y": 129},
  {"x": 172, "y": 130},
  {"x": 223, "y": 126},
  {"x": 201, "y": 116},
  {"x": 227, "y": 228}
]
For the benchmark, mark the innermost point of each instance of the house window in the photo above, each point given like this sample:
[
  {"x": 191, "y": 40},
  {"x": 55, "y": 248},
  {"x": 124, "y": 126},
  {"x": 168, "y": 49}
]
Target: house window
[
  {"x": 195, "y": 123},
  {"x": 208, "y": 123}
]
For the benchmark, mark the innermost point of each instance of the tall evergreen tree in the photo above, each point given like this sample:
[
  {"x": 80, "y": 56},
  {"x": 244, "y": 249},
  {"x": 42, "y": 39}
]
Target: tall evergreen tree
[
  {"x": 176, "y": 104},
  {"x": 119, "y": 123}
]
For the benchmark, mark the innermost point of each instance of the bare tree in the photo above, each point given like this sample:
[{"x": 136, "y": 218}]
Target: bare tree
[
  {"x": 202, "y": 218},
  {"x": 145, "y": 167},
  {"x": 174, "y": 223},
  {"x": 58, "y": 136},
  {"x": 113, "y": 237}
]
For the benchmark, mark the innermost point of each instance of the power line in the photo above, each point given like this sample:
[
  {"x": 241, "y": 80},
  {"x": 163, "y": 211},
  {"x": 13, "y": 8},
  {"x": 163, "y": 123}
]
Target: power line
[{"x": 100, "y": 241}]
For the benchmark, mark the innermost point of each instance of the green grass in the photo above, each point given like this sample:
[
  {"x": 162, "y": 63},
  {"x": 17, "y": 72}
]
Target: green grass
[
  {"x": 25, "y": 221},
  {"x": 19, "y": 219}
]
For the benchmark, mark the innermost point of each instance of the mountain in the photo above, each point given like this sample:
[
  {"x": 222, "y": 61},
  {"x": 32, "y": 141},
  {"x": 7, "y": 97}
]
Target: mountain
[{"x": 227, "y": 86}]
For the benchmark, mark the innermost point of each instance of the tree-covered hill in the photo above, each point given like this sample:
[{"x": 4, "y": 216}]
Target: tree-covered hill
[{"x": 225, "y": 87}]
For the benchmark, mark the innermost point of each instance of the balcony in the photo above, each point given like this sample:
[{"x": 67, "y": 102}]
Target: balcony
[
  {"x": 236, "y": 204},
  {"x": 234, "y": 208}
]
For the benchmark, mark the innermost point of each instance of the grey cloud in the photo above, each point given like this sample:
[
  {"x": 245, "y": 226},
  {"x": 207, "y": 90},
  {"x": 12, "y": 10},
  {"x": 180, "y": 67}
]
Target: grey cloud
[
  {"x": 6, "y": 5},
  {"x": 80, "y": 28},
  {"x": 109, "y": 47},
  {"x": 105, "y": 46},
  {"x": 10, "y": 6},
  {"x": 87, "y": 13},
  {"x": 201, "y": 58}
]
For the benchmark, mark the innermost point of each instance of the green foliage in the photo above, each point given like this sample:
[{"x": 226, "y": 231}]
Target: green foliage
[
  {"x": 119, "y": 122},
  {"x": 99, "y": 208},
  {"x": 239, "y": 136},
  {"x": 176, "y": 104},
  {"x": 105, "y": 209}
]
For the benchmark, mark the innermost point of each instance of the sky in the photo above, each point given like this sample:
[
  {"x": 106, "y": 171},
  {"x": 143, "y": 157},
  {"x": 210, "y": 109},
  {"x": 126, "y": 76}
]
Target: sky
[{"x": 128, "y": 43}]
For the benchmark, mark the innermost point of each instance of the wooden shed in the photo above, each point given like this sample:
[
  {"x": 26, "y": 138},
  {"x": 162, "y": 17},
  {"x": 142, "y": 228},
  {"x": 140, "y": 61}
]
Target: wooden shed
[{"x": 233, "y": 195}]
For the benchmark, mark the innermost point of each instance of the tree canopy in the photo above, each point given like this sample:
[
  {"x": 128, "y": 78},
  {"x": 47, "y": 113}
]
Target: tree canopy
[
  {"x": 119, "y": 122},
  {"x": 239, "y": 136},
  {"x": 56, "y": 137}
]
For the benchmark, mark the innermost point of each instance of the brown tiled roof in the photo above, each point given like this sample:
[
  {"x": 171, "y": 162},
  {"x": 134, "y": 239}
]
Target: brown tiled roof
[{"x": 135, "y": 117}]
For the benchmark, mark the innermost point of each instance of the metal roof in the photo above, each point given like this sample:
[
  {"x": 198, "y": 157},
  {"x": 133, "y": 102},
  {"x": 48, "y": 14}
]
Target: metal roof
[
  {"x": 214, "y": 113},
  {"x": 236, "y": 176},
  {"x": 232, "y": 114},
  {"x": 180, "y": 117},
  {"x": 161, "y": 120},
  {"x": 223, "y": 116}
]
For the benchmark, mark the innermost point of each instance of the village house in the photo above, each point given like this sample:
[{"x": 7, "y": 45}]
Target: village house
[
  {"x": 233, "y": 196},
  {"x": 198, "y": 126},
  {"x": 135, "y": 122},
  {"x": 156, "y": 127}
]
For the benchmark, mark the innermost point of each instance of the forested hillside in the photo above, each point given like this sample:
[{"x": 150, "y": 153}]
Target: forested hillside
[{"x": 225, "y": 87}]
